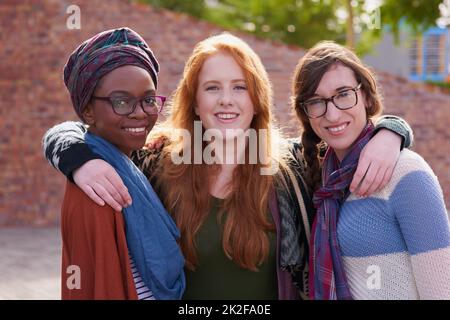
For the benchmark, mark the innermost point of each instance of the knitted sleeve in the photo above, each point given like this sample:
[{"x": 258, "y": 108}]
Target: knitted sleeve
[
  {"x": 147, "y": 160},
  {"x": 296, "y": 213},
  {"x": 65, "y": 148},
  {"x": 418, "y": 204},
  {"x": 398, "y": 126}
]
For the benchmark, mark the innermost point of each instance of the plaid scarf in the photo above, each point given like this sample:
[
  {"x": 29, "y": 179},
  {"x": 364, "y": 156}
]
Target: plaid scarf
[{"x": 327, "y": 277}]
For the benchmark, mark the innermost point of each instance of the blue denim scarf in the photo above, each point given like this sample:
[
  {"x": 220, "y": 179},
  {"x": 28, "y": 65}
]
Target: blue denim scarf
[{"x": 150, "y": 231}]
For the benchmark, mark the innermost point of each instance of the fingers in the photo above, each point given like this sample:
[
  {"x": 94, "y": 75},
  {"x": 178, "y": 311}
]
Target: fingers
[
  {"x": 363, "y": 166},
  {"x": 367, "y": 180},
  {"x": 106, "y": 196},
  {"x": 149, "y": 145},
  {"x": 100, "y": 195},
  {"x": 112, "y": 191},
  {"x": 387, "y": 177},
  {"x": 102, "y": 183},
  {"x": 118, "y": 189},
  {"x": 374, "y": 180},
  {"x": 376, "y": 163},
  {"x": 155, "y": 143},
  {"x": 91, "y": 194},
  {"x": 378, "y": 175}
]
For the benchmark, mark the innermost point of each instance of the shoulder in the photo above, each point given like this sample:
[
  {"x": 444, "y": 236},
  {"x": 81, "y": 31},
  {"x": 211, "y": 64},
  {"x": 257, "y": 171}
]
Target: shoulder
[
  {"x": 79, "y": 211},
  {"x": 411, "y": 162},
  {"x": 295, "y": 146},
  {"x": 75, "y": 196},
  {"x": 143, "y": 155},
  {"x": 72, "y": 131},
  {"x": 147, "y": 159},
  {"x": 290, "y": 151},
  {"x": 291, "y": 176},
  {"x": 412, "y": 174},
  {"x": 291, "y": 164},
  {"x": 417, "y": 201}
]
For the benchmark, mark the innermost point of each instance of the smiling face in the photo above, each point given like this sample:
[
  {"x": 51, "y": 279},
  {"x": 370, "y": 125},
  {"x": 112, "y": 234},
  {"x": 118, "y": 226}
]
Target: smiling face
[
  {"x": 128, "y": 133},
  {"x": 339, "y": 128},
  {"x": 222, "y": 97}
]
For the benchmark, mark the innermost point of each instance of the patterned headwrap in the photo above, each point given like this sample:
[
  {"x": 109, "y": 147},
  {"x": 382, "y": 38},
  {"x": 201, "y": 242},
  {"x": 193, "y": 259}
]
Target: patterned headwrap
[{"x": 101, "y": 54}]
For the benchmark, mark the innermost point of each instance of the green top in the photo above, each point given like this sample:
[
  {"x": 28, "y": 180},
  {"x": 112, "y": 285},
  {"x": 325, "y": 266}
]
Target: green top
[{"x": 217, "y": 277}]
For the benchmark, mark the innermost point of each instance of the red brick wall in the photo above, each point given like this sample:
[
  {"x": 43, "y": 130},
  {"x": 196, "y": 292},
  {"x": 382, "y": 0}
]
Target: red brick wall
[{"x": 35, "y": 43}]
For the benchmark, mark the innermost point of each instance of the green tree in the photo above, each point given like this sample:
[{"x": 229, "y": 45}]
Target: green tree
[
  {"x": 300, "y": 22},
  {"x": 418, "y": 14},
  {"x": 392, "y": 16},
  {"x": 305, "y": 22},
  {"x": 193, "y": 7}
]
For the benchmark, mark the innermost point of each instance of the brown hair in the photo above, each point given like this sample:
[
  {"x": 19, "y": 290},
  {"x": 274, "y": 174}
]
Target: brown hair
[
  {"x": 182, "y": 186},
  {"x": 308, "y": 74}
]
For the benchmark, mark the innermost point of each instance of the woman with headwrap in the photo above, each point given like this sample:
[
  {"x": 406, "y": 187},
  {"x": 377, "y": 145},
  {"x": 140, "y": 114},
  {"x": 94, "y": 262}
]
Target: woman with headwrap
[{"x": 112, "y": 80}]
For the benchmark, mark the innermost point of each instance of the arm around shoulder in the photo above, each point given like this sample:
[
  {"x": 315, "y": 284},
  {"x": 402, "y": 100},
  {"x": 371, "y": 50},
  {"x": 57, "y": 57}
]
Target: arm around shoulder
[{"x": 398, "y": 126}]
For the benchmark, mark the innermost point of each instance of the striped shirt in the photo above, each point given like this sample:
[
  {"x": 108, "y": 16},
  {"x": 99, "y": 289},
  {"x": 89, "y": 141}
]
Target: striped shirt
[{"x": 143, "y": 292}]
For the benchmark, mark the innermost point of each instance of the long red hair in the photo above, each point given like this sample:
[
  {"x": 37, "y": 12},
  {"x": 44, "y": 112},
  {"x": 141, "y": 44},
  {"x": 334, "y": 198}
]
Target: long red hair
[{"x": 182, "y": 186}]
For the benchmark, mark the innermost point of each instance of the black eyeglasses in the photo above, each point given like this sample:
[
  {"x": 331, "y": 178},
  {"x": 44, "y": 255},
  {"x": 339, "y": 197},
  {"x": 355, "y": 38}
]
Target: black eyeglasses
[
  {"x": 125, "y": 105},
  {"x": 345, "y": 99}
]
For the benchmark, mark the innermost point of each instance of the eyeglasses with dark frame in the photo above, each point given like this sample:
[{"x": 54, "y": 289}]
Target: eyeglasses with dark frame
[
  {"x": 343, "y": 100},
  {"x": 125, "y": 105}
]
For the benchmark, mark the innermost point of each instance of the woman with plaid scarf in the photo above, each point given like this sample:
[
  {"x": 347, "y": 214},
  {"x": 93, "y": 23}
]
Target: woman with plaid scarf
[{"x": 394, "y": 244}]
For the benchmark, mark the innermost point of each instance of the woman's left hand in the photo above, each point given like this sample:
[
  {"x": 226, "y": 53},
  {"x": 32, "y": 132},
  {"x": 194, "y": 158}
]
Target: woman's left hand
[{"x": 376, "y": 163}]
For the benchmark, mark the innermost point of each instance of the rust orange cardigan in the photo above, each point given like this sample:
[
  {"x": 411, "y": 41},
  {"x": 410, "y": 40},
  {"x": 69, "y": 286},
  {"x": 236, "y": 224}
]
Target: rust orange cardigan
[{"x": 93, "y": 238}]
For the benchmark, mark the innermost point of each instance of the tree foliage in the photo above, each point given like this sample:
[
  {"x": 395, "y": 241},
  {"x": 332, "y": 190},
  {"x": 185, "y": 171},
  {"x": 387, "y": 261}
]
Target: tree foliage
[
  {"x": 305, "y": 22},
  {"x": 193, "y": 7}
]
